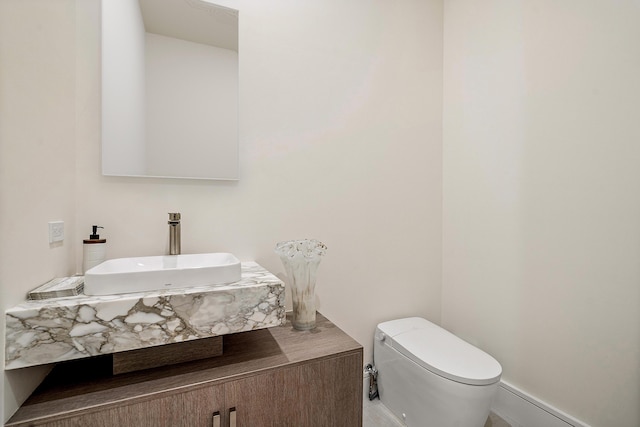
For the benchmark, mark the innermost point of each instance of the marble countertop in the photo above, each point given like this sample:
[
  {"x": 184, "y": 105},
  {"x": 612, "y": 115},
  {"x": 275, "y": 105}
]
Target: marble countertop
[{"x": 48, "y": 331}]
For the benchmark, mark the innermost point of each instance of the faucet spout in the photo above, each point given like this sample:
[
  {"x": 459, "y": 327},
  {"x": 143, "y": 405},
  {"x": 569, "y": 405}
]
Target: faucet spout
[{"x": 174, "y": 233}]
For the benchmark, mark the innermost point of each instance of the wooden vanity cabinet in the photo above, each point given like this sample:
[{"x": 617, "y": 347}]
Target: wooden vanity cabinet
[{"x": 271, "y": 377}]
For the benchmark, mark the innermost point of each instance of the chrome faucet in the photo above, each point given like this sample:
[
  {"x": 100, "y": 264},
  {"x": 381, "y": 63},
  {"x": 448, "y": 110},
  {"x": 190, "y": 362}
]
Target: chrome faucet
[{"x": 174, "y": 233}]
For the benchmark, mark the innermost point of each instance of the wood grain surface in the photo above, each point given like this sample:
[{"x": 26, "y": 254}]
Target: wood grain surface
[{"x": 163, "y": 355}]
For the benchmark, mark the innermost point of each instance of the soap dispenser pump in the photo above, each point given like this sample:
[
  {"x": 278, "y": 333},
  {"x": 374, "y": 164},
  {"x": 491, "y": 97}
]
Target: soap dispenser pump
[
  {"x": 94, "y": 249},
  {"x": 95, "y": 235}
]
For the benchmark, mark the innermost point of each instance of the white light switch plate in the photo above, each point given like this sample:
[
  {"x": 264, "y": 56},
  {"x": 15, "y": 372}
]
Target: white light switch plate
[{"x": 56, "y": 231}]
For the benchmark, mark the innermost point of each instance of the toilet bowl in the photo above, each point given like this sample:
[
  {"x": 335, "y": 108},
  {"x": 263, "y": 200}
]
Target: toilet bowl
[{"x": 429, "y": 377}]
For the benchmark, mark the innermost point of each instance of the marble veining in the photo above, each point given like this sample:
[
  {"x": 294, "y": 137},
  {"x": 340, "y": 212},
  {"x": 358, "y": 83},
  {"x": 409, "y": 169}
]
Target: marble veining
[{"x": 47, "y": 331}]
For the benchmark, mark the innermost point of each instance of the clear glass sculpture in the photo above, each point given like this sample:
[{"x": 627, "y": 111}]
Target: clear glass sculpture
[{"x": 301, "y": 259}]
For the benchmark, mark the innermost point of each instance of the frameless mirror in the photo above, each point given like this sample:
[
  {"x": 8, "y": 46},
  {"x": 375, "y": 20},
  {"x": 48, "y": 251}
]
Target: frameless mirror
[{"x": 169, "y": 89}]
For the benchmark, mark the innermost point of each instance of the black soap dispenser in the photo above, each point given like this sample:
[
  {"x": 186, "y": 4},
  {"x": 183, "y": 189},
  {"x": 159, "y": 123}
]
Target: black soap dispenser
[{"x": 94, "y": 250}]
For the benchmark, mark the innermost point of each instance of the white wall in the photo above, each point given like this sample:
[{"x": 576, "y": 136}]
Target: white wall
[
  {"x": 123, "y": 88},
  {"x": 191, "y": 109},
  {"x": 542, "y": 197},
  {"x": 37, "y": 159},
  {"x": 340, "y": 140}
]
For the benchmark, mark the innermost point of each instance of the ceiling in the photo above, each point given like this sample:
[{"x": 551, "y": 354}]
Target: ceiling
[{"x": 196, "y": 21}]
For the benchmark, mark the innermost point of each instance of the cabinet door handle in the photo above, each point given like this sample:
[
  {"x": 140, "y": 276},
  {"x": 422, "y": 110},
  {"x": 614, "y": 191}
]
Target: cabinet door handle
[
  {"x": 215, "y": 422},
  {"x": 232, "y": 417}
]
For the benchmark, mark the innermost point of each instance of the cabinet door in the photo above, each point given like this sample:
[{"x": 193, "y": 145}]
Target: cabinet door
[
  {"x": 189, "y": 409},
  {"x": 333, "y": 388},
  {"x": 323, "y": 393},
  {"x": 263, "y": 399}
]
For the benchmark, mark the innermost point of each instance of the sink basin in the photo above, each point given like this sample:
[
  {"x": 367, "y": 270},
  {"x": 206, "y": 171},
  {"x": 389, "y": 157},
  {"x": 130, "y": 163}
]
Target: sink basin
[{"x": 157, "y": 273}]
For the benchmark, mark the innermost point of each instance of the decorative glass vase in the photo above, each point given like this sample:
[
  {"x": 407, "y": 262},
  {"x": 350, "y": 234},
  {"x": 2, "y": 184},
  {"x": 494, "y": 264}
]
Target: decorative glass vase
[{"x": 301, "y": 259}]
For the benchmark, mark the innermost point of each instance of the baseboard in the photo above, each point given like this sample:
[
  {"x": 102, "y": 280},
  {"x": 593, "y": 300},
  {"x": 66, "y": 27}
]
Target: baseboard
[{"x": 523, "y": 410}]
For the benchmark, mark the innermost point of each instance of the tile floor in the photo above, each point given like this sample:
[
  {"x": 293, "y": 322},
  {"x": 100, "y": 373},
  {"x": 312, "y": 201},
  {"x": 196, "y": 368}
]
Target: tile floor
[{"x": 375, "y": 414}]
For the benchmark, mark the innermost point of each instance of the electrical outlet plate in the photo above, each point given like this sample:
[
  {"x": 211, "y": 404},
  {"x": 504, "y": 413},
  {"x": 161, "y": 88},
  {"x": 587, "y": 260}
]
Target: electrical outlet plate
[{"x": 56, "y": 231}]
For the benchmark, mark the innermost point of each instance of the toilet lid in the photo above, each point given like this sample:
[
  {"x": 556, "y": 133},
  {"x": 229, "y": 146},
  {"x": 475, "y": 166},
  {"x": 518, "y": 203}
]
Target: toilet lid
[{"x": 441, "y": 352}]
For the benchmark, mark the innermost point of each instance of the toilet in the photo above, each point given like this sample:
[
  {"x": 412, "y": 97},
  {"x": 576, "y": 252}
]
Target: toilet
[{"x": 429, "y": 377}]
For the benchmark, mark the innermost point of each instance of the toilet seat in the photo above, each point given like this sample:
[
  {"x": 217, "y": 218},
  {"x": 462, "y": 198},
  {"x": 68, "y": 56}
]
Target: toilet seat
[{"x": 439, "y": 351}]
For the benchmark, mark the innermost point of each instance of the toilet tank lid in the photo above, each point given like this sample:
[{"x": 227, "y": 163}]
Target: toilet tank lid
[{"x": 439, "y": 351}]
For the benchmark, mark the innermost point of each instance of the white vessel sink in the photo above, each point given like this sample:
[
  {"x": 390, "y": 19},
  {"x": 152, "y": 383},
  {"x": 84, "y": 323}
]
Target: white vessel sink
[{"x": 154, "y": 273}]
